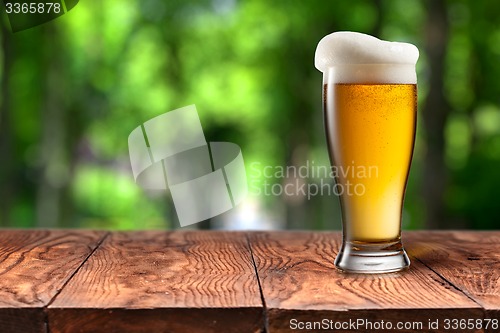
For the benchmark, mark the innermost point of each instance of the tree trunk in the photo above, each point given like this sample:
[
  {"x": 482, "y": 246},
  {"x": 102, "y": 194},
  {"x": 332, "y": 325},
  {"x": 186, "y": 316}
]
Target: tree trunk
[
  {"x": 54, "y": 173},
  {"x": 7, "y": 168},
  {"x": 435, "y": 113}
]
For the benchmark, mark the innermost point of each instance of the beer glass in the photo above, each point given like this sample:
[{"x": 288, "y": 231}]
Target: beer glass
[{"x": 370, "y": 121}]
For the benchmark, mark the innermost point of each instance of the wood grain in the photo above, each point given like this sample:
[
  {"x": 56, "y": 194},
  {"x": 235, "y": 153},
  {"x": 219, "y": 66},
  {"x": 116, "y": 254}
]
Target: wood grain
[
  {"x": 468, "y": 260},
  {"x": 54, "y": 281},
  {"x": 299, "y": 281},
  {"x": 34, "y": 266},
  {"x": 163, "y": 282}
]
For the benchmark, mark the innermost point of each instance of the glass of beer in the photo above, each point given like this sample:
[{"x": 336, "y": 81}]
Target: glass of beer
[{"x": 370, "y": 105}]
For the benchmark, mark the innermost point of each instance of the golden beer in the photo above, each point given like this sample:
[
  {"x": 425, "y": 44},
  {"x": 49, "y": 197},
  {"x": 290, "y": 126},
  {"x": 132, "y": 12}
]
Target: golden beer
[
  {"x": 370, "y": 105},
  {"x": 372, "y": 127}
]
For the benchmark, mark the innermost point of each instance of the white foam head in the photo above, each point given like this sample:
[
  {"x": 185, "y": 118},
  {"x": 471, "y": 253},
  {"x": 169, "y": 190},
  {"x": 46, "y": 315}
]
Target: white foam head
[{"x": 352, "y": 57}]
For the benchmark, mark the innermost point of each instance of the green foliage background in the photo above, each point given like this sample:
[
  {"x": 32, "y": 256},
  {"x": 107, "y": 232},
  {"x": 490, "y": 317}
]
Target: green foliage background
[{"x": 74, "y": 88}]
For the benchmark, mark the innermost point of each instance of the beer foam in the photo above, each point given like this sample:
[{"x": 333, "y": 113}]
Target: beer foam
[{"x": 352, "y": 57}]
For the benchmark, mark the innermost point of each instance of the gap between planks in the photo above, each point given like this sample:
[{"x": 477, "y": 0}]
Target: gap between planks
[
  {"x": 45, "y": 308},
  {"x": 452, "y": 284},
  {"x": 263, "y": 299}
]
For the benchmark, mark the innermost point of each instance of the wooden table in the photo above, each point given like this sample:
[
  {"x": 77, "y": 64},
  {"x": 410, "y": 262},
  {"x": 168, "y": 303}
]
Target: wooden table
[{"x": 191, "y": 281}]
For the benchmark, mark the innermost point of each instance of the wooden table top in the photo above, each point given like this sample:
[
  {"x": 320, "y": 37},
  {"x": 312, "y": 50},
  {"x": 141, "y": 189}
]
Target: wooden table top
[{"x": 214, "y": 281}]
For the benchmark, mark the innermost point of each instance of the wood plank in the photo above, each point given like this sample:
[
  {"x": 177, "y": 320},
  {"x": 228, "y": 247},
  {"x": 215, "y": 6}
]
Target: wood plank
[
  {"x": 470, "y": 260},
  {"x": 34, "y": 266},
  {"x": 299, "y": 281},
  {"x": 163, "y": 282}
]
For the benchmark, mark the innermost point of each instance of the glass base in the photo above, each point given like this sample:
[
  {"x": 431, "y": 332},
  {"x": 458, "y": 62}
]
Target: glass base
[{"x": 372, "y": 258}]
